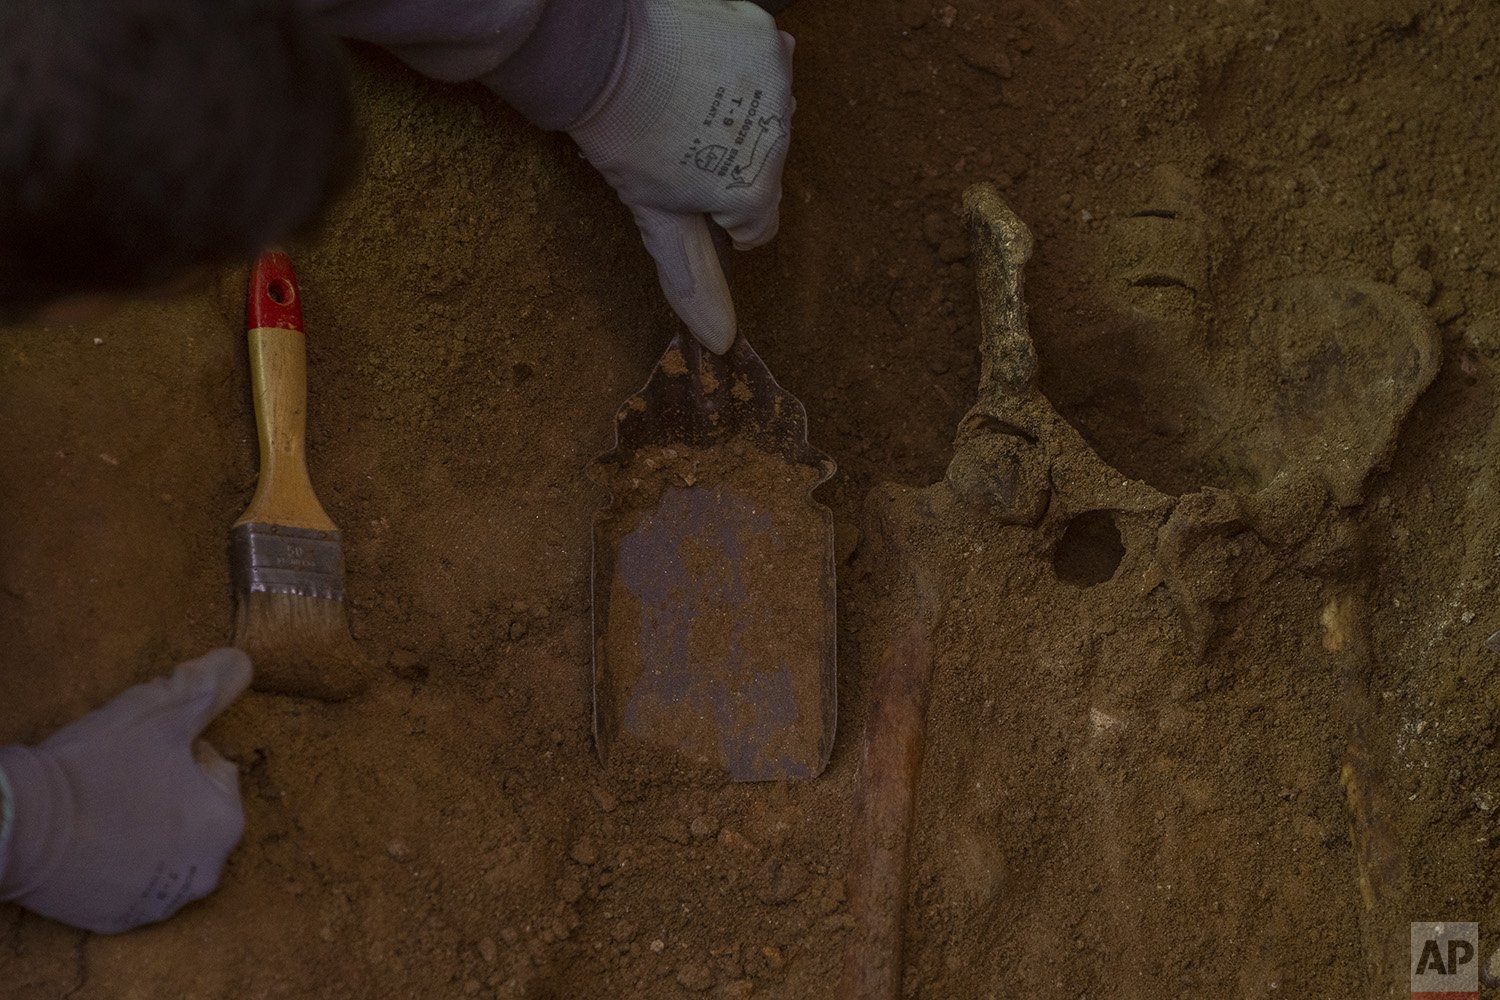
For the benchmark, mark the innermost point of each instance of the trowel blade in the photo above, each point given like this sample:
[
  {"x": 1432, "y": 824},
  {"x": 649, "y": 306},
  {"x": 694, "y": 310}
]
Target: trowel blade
[{"x": 714, "y": 588}]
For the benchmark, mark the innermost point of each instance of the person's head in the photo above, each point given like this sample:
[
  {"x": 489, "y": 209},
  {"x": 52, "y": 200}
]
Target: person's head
[{"x": 140, "y": 139}]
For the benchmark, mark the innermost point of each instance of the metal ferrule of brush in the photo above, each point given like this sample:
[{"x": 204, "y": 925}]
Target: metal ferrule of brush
[{"x": 299, "y": 562}]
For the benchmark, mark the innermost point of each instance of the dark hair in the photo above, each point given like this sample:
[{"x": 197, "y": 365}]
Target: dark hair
[{"x": 139, "y": 138}]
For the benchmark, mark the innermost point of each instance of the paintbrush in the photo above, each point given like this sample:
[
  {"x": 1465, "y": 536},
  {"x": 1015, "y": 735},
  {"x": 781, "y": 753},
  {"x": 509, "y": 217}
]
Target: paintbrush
[{"x": 288, "y": 556}]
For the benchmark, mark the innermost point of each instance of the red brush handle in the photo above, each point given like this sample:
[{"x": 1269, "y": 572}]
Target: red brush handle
[{"x": 274, "y": 298}]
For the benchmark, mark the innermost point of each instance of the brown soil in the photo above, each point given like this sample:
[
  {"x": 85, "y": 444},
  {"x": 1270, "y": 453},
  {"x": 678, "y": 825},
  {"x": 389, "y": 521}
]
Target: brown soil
[{"x": 1137, "y": 787}]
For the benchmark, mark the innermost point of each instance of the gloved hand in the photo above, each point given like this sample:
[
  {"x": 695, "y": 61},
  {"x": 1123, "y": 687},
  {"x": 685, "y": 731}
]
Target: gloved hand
[
  {"x": 125, "y": 816},
  {"x": 694, "y": 126}
]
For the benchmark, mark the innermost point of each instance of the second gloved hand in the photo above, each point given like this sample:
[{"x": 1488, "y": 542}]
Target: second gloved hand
[
  {"x": 124, "y": 816},
  {"x": 694, "y": 127}
]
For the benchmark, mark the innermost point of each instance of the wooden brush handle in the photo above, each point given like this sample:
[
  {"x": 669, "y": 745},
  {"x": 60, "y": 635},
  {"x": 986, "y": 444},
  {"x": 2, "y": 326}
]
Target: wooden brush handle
[{"x": 278, "y": 376}]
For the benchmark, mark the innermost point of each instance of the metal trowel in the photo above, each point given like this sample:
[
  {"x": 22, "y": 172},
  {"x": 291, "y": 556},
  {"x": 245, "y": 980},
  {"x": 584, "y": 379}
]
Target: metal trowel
[{"x": 713, "y": 575}]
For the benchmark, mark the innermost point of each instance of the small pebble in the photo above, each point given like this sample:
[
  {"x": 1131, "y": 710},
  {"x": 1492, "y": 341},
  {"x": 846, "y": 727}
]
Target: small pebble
[
  {"x": 1405, "y": 254},
  {"x": 703, "y": 827},
  {"x": 1417, "y": 282},
  {"x": 1448, "y": 307},
  {"x": 488, "y": 951},
  {"x": 584, "y": 852},
  {"x": 695, "y": 977},
  {"x": 398, "y": 850},
  {"x": 992, "y": 59},
  {"x": 734, "y": 839}
]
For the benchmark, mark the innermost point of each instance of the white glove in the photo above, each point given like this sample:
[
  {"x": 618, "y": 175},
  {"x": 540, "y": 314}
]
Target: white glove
[
  {"x": 125, "y": 816},
  {"x": 694, "y": 126}
]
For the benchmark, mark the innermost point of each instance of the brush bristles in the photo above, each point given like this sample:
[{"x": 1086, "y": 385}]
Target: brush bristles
[{"x": 300, "y": 646}]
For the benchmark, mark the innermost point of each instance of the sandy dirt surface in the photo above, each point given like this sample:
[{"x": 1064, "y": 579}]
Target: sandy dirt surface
[{"x": 1212, "y": 712}]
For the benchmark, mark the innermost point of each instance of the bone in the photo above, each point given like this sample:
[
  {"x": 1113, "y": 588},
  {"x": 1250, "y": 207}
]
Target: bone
[
  {"x": 1369, "y": 807},
  {"x": 1018, "y": 462},
  {"x": 891, "y": 758},
  {"x": 884, "y": 804}
]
